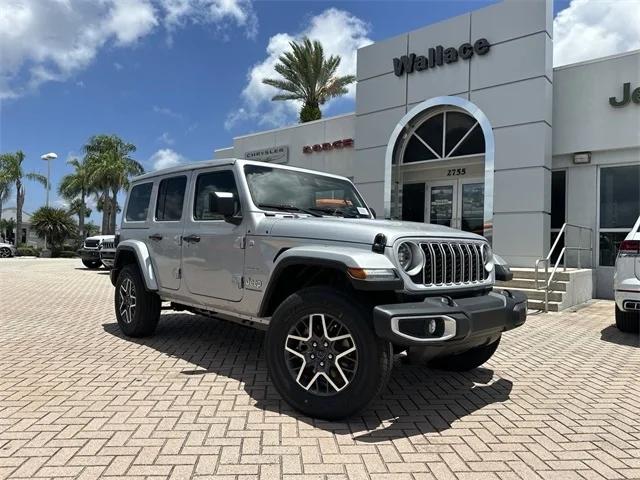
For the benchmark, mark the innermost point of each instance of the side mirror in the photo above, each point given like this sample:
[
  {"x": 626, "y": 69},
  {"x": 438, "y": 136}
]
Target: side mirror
[
  {"x": 373, "y": 212},
  {"x": 222, "y": 203}
]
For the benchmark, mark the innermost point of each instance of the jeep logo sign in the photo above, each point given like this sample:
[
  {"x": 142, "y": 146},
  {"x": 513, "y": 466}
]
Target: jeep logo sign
[
  {"x": 439, "y": 56},
  {"x": 627, "y": 96}
]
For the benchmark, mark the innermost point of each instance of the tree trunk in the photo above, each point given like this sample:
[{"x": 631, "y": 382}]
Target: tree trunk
[
  {"x": 19, "y": 203},
  {"x": 114, "y": 213},
  {"x": 81, "y": 216},
  {"x": 106, "y": 204}
]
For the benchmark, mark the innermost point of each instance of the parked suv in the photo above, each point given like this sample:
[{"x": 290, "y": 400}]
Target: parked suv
[
  {"x": 300, "y": 254},
  {"x": 90, "y": 251},
  {"x": 626, "y": 282}
]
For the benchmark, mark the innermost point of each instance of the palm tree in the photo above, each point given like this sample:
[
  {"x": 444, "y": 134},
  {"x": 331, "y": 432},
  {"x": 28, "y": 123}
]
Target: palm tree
[
  {"x": 75, "y": 187},
  {"x": 12, "y": 172},
  {"x": 309, "y": 77},
  {"x": 53, "y": 224},
  {"x": 110, "y": 165}
]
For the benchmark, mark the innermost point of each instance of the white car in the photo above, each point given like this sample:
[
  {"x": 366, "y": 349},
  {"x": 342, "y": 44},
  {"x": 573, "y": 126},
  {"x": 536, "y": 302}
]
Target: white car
[
  {"x": 626, "y": 282},
  {"x": 7, "y": 250}
]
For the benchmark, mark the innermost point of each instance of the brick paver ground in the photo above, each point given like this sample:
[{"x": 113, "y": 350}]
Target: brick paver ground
[{"x": 559, "y": 400}]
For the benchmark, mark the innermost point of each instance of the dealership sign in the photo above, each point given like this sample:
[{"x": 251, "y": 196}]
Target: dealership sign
[
  {"x": 278, "y": 154},
  {"x": 323, "y": 147},
  {"x": 627, "y": 96},
  {"x": 438, "y": 56}
]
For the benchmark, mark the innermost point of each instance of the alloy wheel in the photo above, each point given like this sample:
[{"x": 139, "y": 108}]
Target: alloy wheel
[
  {"x": 127, "y": 300},
  {"x": 5, "y": 253},
  {"x": 321, "y": 354}
]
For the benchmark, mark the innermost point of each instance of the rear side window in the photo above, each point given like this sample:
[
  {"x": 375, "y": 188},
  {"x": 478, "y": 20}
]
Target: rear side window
[
  {"x": 170, "y": 199},
  {"x": 138, "y": 205},
  {"x": 207, "y": 183}
]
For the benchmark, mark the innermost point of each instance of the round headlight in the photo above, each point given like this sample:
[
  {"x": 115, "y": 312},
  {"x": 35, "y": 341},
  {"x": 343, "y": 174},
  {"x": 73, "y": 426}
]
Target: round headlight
[
  {"x": 487, "y": 257},
  {"x": 409, "y": 257},
  {"x": 405, "y": 255}
]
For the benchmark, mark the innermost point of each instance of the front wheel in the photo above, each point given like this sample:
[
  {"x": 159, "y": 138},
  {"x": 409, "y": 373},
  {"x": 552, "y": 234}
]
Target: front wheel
[
  {"x": 468, "y": 360},
  {"x": 92, "y": 264},
  {"x": 323, "y": 356},
  {"x": 137, "y": 309},
  {"x": 5, "y": 252},
  {"x": 628, "y": 322}
]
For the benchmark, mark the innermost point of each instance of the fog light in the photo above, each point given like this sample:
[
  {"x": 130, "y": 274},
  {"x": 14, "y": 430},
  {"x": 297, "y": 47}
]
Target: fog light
[{"x": 432, "y": 325}]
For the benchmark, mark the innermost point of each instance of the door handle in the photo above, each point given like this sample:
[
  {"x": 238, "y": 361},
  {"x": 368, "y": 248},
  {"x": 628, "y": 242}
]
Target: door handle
[
  {"x": 155, "y": 236},
  {"x": 191, "y": 238}
]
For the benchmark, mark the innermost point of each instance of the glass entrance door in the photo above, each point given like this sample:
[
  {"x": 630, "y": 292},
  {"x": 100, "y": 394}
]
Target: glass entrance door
[
  {"x": 471, "y": 206},
  {"x": 442, "y": 203}
]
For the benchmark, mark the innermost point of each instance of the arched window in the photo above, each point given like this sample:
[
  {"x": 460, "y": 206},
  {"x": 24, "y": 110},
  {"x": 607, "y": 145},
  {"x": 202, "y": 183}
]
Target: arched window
[{"x": 441, "y": 135}]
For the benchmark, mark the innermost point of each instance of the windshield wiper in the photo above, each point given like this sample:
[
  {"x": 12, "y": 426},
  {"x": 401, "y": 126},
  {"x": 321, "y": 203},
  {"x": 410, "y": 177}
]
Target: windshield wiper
[
  {"x": 289, "y": 208},
  {"x": 335, "y": 211}
]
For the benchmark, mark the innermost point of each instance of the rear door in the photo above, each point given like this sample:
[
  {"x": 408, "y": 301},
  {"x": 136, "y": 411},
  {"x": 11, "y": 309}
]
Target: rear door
[
  {"x": 166, "y": 228},
  {"x": 212, "y": 248}
]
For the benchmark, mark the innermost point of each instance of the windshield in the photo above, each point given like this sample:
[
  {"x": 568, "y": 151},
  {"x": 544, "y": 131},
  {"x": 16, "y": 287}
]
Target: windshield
[{"x": 289, "y": 190}]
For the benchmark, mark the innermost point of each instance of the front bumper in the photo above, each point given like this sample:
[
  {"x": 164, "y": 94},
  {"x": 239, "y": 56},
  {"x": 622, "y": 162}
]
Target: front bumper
[
  {"x": 108, "y": 258},
  {"x": 460, "y": 322},
  {"x": 89, "y": 254}
]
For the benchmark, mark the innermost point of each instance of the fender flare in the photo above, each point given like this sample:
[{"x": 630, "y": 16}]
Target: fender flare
[
  {"x": 143, "y": 259},
  {"x": 339, "y": 258}
]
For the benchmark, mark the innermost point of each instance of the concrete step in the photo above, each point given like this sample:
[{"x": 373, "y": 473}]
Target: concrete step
[
  {"x": 530, "y": 273},
  {"x": 531, "y": 283},
  {"x": 539, "y": 305},
  {"x": 539, "y": 294}
]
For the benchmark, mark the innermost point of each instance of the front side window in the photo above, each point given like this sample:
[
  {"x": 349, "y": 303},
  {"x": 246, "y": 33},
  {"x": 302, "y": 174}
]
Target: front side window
[
  {"x": 277, "y": 188},
  {"x": 619, "y": 208},
  {"x": 138, "y": 205},
  {"x": 170, "y": 199},
  {"x": 208, "y": 183}
]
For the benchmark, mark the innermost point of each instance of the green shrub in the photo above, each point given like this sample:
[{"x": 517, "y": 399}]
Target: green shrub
[
  {"x": 27, "y": 252},
  {"x": 69, "y": 248},
  {"x": 65, "y": 254}
]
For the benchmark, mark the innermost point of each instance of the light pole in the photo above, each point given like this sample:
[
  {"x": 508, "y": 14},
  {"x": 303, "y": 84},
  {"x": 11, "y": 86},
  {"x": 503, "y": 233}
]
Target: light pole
[{"x": 47, "y": 157}]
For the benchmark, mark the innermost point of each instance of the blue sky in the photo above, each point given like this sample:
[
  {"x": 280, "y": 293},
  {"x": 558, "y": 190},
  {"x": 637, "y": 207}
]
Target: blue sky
[{"x": 171, "y": 76}]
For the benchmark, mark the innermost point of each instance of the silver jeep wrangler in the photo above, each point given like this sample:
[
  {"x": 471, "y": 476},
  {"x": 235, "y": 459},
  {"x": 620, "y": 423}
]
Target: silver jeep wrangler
[{"x": 300, "y": 254}]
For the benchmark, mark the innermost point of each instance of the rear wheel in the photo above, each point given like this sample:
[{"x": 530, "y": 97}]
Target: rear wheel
[
  {"x": 323, "y": 356},
  {"x": 468, "y": 360},
  {"x": 5, "y": 252},
  {"x": 92, "y": 264},
  {"x": 137, "y": 309},
  {"x": 627, "y": 321}
]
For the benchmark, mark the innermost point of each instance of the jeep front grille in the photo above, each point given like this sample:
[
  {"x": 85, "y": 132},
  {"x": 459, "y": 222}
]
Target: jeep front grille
[
  {"x": 91, "y": 243},
  {"x": 452, "y": 263},
  {"x": 108, "y": 245}
]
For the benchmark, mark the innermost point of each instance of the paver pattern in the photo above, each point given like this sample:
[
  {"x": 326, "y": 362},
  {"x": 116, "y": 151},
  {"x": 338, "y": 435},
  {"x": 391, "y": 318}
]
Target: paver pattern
[{"x": 559, "y": 400}]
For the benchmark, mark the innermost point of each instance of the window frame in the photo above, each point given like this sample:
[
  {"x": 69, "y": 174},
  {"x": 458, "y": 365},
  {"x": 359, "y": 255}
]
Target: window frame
[
  {"x": 599, "y": 229},
  {"x": 151, "y": 196},
  {"x": 184, "y": 197}
]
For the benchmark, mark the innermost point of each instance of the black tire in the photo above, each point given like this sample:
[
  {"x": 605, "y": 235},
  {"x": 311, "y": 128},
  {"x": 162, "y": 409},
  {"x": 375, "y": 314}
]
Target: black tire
[
  {"x": 628, "y": 322},
  {"x": 374, "y": 355},
  {"x": 140, "y": 319},
  {"x": 468, "y": 360},
  {"x": 92, "y": 264},
  {"x": 5, "y": 252}
]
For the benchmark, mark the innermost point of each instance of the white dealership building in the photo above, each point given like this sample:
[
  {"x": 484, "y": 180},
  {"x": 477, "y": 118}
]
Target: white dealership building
[{"x": 466, "y": 123}]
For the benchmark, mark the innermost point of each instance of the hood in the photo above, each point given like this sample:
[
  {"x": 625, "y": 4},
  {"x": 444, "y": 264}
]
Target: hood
[
  {"x": 358, "y": 230},
  {"x": 101, "y": 237},
  {"x": 4, "y": 244}
]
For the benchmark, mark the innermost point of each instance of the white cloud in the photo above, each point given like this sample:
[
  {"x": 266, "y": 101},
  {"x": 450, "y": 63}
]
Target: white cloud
[
  {"x": 166, "y": 111},
  {"x": 118, "y": 66},
  {"x": 46, "y": 40},
  {"x": 591, "y": 29},
  {"x": 166, "y": 138},
  {"x": 165, "y": 158},
  {"x": 340, "y": 32}
]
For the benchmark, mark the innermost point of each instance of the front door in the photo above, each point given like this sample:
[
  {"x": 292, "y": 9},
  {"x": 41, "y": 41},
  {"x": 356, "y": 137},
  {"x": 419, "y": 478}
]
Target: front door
[
  {"x": 212, "y": 248},
  {"x": 455, "y": 203}
]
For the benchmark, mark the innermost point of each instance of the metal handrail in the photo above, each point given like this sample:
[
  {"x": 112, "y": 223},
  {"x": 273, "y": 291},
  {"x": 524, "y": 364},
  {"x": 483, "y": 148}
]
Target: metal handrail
[{"x": 547, "y": 260}]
